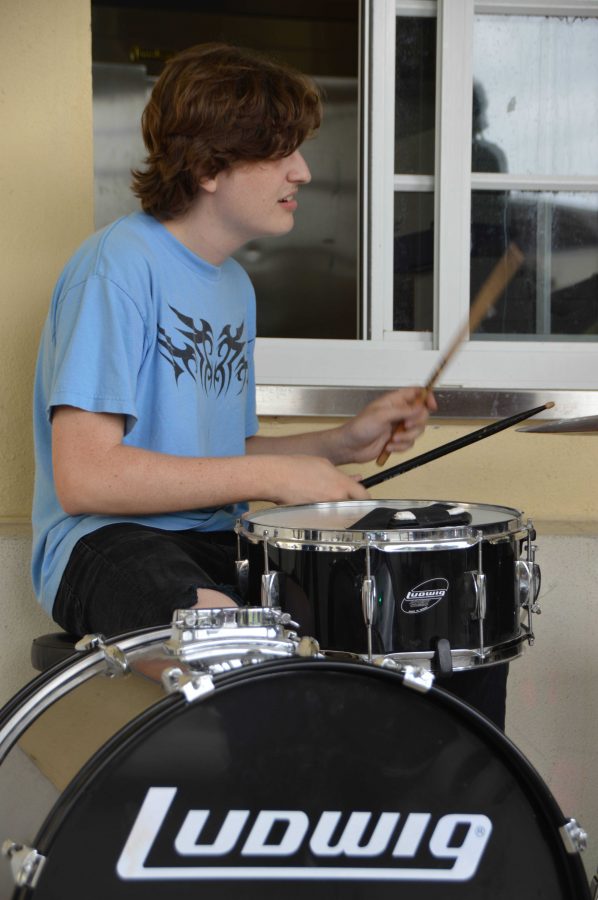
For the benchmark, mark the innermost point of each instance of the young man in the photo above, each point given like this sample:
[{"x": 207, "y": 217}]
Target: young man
[{"x": 145, "y": 426}]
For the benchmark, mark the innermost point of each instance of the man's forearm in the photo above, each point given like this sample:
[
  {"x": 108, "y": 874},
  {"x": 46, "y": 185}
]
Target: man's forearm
[
  {"x": 326, "y": 443},
  {"x": 129, "y": 481}
]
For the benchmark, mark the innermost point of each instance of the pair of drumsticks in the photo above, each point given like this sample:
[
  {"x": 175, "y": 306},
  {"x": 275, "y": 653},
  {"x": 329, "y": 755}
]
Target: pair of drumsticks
[{"x": 484, "y": 300}]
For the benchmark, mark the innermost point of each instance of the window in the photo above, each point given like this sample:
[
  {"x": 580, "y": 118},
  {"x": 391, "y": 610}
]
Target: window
[
  {"x": 480, "y": 128},
  {"x": 306, "y": 280}
]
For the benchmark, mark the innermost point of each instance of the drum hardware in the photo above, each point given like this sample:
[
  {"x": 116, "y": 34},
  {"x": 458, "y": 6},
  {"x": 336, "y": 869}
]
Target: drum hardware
[
  {"x": 574, "y": 837},
  {"x": 368, "y": 595},
  {"x": 191, "y": 685},
  {"x": 528, "y": 584},
  {"x": 116, "y": 661},
  {"x": 462, "y": 658},
  {"x": 242, "y": 570},
  {"x": 529, "y": 579},
  {"x": 415, "y": 677},
  {"x": 479, "y": 586},
  {"x": 270, "y": 591},
  {"x": 189, "y": 625},
  {"x": 443, "y": 658},
  {"x": 212, "y": 637},
  {"x": 25, "y": 862}
]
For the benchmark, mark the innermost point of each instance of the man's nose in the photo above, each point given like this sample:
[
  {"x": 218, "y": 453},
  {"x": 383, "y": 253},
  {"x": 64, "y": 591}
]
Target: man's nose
[{"x": 299, "y": 170}]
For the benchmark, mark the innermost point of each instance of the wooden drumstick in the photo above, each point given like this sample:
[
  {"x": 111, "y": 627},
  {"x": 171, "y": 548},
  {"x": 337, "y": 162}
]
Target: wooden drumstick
[{"x": 484, "y": 300}]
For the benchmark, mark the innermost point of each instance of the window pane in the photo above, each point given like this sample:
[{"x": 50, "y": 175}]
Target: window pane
[
  {"x": 555, "y": 293},
  {"x": 535, "y": 90},
  {"x": 415, "y": 95},
  {"x": 413, "y": 262}
]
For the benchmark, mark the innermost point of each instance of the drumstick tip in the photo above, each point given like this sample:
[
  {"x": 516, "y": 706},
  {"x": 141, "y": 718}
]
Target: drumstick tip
[{"x": 549, "y": 405}]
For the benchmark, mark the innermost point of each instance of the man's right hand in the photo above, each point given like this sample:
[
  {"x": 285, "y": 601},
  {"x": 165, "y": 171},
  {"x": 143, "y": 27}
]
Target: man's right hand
[{"x": 312, "y": 479}]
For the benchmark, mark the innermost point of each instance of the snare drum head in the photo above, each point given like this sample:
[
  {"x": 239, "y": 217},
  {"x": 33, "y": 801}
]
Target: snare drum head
[
  {"x": 338, "y": 523},
  {"x": 307, "y": 779}
]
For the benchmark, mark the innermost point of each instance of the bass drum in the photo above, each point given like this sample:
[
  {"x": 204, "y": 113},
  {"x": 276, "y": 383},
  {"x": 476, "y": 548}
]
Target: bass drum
[
  {"x": 258, "y": 768},
  {"x": 450, "y": 591}
]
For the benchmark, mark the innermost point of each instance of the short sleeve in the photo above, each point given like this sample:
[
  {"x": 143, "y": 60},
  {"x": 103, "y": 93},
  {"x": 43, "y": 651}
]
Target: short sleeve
[{"x": 99, "y": 344}]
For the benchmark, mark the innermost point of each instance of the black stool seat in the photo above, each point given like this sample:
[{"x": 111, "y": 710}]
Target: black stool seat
[{"x": 49, "y": 649}]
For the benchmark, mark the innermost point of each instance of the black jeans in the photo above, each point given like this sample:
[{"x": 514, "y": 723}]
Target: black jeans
[{"x": 124, "y": 577}]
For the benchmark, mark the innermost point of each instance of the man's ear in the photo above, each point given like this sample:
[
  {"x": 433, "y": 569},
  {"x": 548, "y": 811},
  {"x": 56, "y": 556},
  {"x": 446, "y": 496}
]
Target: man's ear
[{"x": 208, "y": 184}]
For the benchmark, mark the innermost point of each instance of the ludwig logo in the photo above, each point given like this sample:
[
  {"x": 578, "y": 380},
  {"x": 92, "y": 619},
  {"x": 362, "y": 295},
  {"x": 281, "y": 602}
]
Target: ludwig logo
[
  {"x": 426, "y": 595},
  {"x": 275, "y": 843}
]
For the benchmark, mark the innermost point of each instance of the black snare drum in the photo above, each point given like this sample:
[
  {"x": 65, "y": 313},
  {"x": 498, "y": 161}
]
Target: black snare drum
[
  {"x": 257, "y": 768},
  {"x": 448, "y": 597}
]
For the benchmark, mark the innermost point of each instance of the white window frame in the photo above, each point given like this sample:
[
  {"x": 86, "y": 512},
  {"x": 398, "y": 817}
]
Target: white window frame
[{"x": 388, "y": 358}]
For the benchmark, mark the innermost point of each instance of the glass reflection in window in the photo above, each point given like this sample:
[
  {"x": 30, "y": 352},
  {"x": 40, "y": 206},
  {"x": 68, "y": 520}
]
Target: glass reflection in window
[
  {"x": 415, "y": 95},
  {"x": 555, "y": 293},
  {"x": 537, "y": 83},
  {"x": 413, "y": 261}
]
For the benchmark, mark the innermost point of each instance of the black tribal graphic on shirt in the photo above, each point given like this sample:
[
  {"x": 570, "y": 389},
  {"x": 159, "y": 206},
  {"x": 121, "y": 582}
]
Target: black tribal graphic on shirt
[{"x": 214, "y": 364}]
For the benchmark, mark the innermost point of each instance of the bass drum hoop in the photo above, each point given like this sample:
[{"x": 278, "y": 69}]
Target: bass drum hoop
[{"x": 49, "y": 686}]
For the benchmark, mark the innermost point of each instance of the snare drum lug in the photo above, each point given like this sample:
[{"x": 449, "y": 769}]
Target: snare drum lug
[
  {"x": 242, "y": 570},
  {"x": 270, "y": 589},
  {"x": 116, "y": 661},
  {"x": 25, "y": 862},
  {"x": 479, "y": 587},
  {"x": 190, "y": 685},
  {"x": 528, "y": 580},
  {"x": 241, "y": 564},
  {"x": 368, "y": 594},
  {"x": 573, "y": 836}
]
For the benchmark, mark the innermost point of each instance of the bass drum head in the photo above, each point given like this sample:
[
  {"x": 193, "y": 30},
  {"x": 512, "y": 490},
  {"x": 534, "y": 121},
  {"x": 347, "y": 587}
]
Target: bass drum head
[{"x": 307, "y": 779}]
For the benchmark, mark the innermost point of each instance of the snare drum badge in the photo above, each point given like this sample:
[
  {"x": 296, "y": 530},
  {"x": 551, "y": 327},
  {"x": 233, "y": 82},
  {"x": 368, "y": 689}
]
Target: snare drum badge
[{"x": 424, "y": 596}]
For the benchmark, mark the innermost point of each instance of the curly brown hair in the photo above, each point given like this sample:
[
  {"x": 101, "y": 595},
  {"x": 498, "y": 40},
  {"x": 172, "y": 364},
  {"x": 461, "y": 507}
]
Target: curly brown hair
[{"x": 215, "y": 105}]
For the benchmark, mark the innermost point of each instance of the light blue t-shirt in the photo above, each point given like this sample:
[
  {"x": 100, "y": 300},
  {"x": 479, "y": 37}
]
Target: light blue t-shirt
[{"x": 141, "y": 326}]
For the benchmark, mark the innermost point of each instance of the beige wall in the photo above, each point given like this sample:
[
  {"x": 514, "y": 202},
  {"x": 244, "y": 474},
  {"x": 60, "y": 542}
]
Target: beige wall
[
  {"x": 46, "y": 190},
  {"x": 47, "y": 196},
  {"x": 46, "y": 193}
]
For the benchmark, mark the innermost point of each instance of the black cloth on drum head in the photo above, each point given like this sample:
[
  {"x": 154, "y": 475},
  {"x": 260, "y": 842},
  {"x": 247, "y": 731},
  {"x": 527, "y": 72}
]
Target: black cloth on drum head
[{"x": 437, "y": 515}]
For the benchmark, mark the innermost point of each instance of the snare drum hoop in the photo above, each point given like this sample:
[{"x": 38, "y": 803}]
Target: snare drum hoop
[
  {"x": 550, "y": 817},
  {"x": 262, "y": 526}
]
